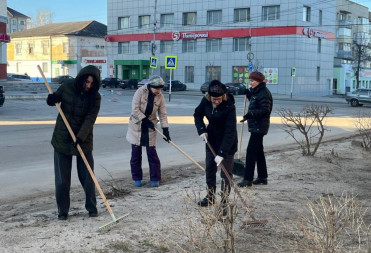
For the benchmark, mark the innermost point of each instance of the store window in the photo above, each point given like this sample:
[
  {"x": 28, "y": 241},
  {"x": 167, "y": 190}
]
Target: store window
[
  {"x": 189, "y": 74},
  {"x": 306, "y": 13},
  {"x": 241, "y": 15},
  {"x": 144, "y": 21},
  {"x": 318, "y": 74},
  {"x": 213, "y": 73},
  {"x": 31, "y": 48},
  {"x": 319, "y": 46},
  {"x": 144, "y": 47},
  {"x": 123, "y": 48},
  {"x": 241, "y": 44},
  {"x": 167, "y": 20},
  {"x": 213, "y": 45},
  {"x": 271, "y": 13},
  {"x": 18, "y": 48},
  {"x": 320, "y": 17},
  {"x": 240, "y": 74},
  {"x": 214, "y": 17},
  {"x": 65, "y": 47},
  {"x": 166, "y": 46},
  {"x": 45, "y": 67},
  {"x": 123, "y": 22},
  {"x": 190, "y": 18},
  {"x": 45, "y": 46},
  {"x": 189, "y": 46}
]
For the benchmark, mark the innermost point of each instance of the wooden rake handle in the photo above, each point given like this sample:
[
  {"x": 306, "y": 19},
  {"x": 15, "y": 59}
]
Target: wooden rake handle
[
  {"x": 243, "y": 123},
  {"x": 78, "y": 147},
  {"x": 232, "y": 184},
  {"x": 181, "y": 151}
]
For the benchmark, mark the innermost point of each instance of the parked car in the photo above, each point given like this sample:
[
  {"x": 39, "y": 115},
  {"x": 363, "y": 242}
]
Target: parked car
[
  {"x": 112, "y": 82},
  {"x": 18, "y": 77},
  {"x": 205, "y": 87},
  {"x": 2, "y": 96},
  {"x": 129, "y": 84},
  {"x": 176, "y": 85},
  {"x": 62, "y": 79},
  {"x": 359, "y": 97},
  {"x": 143, "y": 82},
  {"x": 236, "y": 88}
]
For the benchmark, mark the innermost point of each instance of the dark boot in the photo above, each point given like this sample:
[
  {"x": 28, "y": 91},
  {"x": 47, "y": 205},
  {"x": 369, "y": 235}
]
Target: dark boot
[
  {"x": 244, "y": 183},
  {"x": 209, "y": 200},
  {"x": 260, "y": 181}
]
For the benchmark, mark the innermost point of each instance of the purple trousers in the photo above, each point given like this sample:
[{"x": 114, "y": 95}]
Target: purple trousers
[{"x": 136, "y": 163}]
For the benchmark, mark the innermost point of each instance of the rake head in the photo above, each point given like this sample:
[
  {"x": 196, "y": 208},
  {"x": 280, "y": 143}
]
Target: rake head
[
  {"x": 255, "y": 223},
  {"x": 112, "y": 223}
]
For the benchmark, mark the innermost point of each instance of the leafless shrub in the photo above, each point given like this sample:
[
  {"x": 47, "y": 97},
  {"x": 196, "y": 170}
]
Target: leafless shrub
[
  {"x": 363, "y": 124},
  {"x": 209, "y": 231},
  {"x": 115, "y": 188},
  {"x": 333, "y": 224},
  {"x": 306, "y": 127}
]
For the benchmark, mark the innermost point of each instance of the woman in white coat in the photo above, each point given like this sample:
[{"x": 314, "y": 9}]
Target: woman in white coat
[{"x": 148, "y": 101}]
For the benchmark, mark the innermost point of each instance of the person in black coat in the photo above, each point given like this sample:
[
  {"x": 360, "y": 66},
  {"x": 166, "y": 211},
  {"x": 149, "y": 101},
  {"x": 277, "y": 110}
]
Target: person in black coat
[
  {"x": 221, "y": 133},
  {"x": 258, "y": 117},
  {"x": 80, "y": 103}
]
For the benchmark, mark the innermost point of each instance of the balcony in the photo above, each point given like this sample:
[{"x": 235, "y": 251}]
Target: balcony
[
  {"x": 344, "y": 54},
  {"x": 345, "y": 23}
]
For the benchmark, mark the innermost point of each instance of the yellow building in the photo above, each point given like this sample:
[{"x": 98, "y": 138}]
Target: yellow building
[{"x": 59, "y": 49}]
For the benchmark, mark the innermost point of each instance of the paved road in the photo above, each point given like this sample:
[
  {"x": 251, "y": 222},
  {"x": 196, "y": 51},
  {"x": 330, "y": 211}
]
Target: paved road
[{"x": 26, "y": 127}]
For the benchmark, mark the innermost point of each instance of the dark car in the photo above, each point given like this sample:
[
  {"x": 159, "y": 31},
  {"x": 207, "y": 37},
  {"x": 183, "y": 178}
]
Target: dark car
[
  {"x": 112, "y": 82},
  {"x": 205, "y": 87},
  {"x": 359, "y": 97},
  {"x": 129, "y": 84},
  {"x": 2, "y": 96},
  {"x": 175, "y": 86},
  {"x": 62, "y": 79},
  {"x": 236, "y": 88}
]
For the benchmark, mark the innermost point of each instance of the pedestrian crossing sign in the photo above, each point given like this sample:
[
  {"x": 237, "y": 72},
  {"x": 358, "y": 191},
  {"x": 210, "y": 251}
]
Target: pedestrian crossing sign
[
  {"x": 171, "y": 62},
  {"x": 153, "y": 61}
]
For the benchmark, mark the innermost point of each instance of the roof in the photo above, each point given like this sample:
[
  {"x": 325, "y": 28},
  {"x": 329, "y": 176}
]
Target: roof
[
  {"x": 15, "y": 13},
  {"x": 89, "y": 28}
]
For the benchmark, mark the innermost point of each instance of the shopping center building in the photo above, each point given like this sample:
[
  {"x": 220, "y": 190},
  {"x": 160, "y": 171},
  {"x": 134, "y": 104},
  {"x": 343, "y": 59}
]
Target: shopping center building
[{"x": 291, "y": 42}]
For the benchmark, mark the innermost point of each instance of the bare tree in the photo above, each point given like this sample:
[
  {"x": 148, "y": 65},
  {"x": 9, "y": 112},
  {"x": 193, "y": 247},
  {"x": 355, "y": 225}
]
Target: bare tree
[
  {"x": 309, "y": 122},
  {"x": 363, "y": 124},
  {"x": 43, "y": 17},
  {"x": 362, "y": 55}
]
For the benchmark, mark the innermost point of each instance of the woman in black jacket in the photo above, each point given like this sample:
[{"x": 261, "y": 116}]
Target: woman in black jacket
[
  {"x": 221, "y": 133},
  {"x": 258, "y": 117}
]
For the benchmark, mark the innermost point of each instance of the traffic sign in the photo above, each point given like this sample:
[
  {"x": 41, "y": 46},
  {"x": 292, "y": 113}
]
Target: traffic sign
[
  {"x": 171, "y": 62},
  {"x": 153, "y": 61},
  {"x": 251, "y": 67}
]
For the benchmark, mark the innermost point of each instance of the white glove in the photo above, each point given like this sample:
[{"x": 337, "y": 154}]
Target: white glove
[
  {"x": 204, "y": 137},
  {"x": 218, "y": 160}
]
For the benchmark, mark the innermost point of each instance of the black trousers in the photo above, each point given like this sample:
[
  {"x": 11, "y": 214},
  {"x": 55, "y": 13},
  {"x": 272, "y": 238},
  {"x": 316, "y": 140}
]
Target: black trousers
[
  {"x": 62, "y": 170},
  {"x": 255, "y": 155},
  {"x": 211, "y": 170}
]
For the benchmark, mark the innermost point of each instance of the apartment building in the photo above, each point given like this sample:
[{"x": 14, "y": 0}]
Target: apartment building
[
  {"x": 352, "y": 24},
  {"x": 4, "y": 38},
  {"x": 225, "y": 40},
  {"x": 59, "y": 48},
  {"x": 16, "y": 21}
]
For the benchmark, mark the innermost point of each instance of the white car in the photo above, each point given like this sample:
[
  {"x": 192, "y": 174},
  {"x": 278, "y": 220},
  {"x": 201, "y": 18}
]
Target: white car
[{"x": 143, "y": 82}]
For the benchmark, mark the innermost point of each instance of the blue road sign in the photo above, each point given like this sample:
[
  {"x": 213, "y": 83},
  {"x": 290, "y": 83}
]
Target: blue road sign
[
  {"x": 153, "y": 61},
  {"x": 251, "y": 67},
  {"x": 171, "y": 62}
]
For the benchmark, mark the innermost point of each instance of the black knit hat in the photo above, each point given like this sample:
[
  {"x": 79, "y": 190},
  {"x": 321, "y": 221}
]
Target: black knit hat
[
  {"x": 257, "y": 76},
  {"x": 216, "y": 89}
]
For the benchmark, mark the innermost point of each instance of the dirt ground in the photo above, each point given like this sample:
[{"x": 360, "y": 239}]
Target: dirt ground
[{"x": 160, "y": 219}]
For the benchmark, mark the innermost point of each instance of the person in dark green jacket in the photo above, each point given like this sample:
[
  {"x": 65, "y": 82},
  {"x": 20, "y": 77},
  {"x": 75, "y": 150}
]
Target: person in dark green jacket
[{"x": 80, "y": 103}]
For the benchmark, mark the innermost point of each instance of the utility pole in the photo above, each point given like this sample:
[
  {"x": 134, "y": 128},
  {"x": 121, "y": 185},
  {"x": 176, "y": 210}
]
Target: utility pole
[{"x": 153, "y": 46}]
